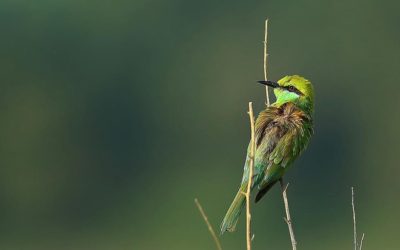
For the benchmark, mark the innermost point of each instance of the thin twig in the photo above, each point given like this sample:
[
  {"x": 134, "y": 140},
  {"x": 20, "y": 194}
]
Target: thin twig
[
  {"x": 210, "y": 228},
  {"x": 361, "y": 242},
  {"x": 266, "y": 60},
  {"x": 288, "y": 220},
  {"x": 250, "y": 177},
  {"x": 354, "y": 219}
]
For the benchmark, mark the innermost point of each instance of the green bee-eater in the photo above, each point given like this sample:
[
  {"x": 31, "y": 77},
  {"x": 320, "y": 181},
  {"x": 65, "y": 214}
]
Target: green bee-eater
[{"x": 282, "y": 132}]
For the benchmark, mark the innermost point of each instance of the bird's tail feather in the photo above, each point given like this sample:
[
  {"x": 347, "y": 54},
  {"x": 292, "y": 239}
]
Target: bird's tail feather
[{"x": 233, "y": 213}]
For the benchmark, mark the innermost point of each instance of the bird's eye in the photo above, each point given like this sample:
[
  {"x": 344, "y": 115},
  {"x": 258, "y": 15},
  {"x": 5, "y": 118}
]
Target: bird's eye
[{"x": 291, "y": 88}]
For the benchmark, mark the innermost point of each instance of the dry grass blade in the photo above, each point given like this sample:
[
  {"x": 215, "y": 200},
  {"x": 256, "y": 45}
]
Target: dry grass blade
[
  {"x": 210, "y": 228},
  {"x": 362, "y": 240}
]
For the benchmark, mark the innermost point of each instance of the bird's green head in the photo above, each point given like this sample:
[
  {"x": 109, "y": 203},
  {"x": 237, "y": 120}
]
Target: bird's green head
[{"x": 294, "y": 89}]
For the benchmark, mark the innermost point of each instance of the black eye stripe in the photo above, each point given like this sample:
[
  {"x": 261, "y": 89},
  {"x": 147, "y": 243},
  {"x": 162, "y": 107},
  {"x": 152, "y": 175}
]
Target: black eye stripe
[{"x": 293, "y": 89}]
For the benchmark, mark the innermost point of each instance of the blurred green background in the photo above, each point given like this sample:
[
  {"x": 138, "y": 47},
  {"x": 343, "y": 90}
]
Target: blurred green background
[{"x": 115, "y": 115}]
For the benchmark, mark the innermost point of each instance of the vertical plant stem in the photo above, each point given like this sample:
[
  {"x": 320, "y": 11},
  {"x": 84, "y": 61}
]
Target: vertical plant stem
[
  {"x": 266, "y": 60},
  {"x": 288, "y": 220},
  {"x": 250, "y": 177}
]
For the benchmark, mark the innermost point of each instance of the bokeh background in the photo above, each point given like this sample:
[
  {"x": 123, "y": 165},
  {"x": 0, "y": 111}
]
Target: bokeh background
[{"x": 115, "y": 115}]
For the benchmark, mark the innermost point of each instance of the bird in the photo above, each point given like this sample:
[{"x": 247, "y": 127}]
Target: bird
[{"x": 282, "y": 132}]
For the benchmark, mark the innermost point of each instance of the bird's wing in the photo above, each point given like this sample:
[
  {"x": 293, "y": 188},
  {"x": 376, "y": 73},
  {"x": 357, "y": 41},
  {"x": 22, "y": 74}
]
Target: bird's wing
[
  {"x": 267, "y": 135},
  {"x": 290, "y": 145}
]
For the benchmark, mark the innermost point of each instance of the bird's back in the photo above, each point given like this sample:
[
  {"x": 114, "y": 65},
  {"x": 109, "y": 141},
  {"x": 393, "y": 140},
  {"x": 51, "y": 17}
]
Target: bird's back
[{"x": 282, "y": 133}]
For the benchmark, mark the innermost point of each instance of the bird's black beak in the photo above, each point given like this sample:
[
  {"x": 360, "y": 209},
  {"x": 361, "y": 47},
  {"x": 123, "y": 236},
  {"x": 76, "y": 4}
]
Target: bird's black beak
[{"x": 269, "y": 83}]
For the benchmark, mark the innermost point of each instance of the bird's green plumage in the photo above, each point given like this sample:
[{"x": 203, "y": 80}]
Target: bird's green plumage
[{"x": 283, "y": 131}]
